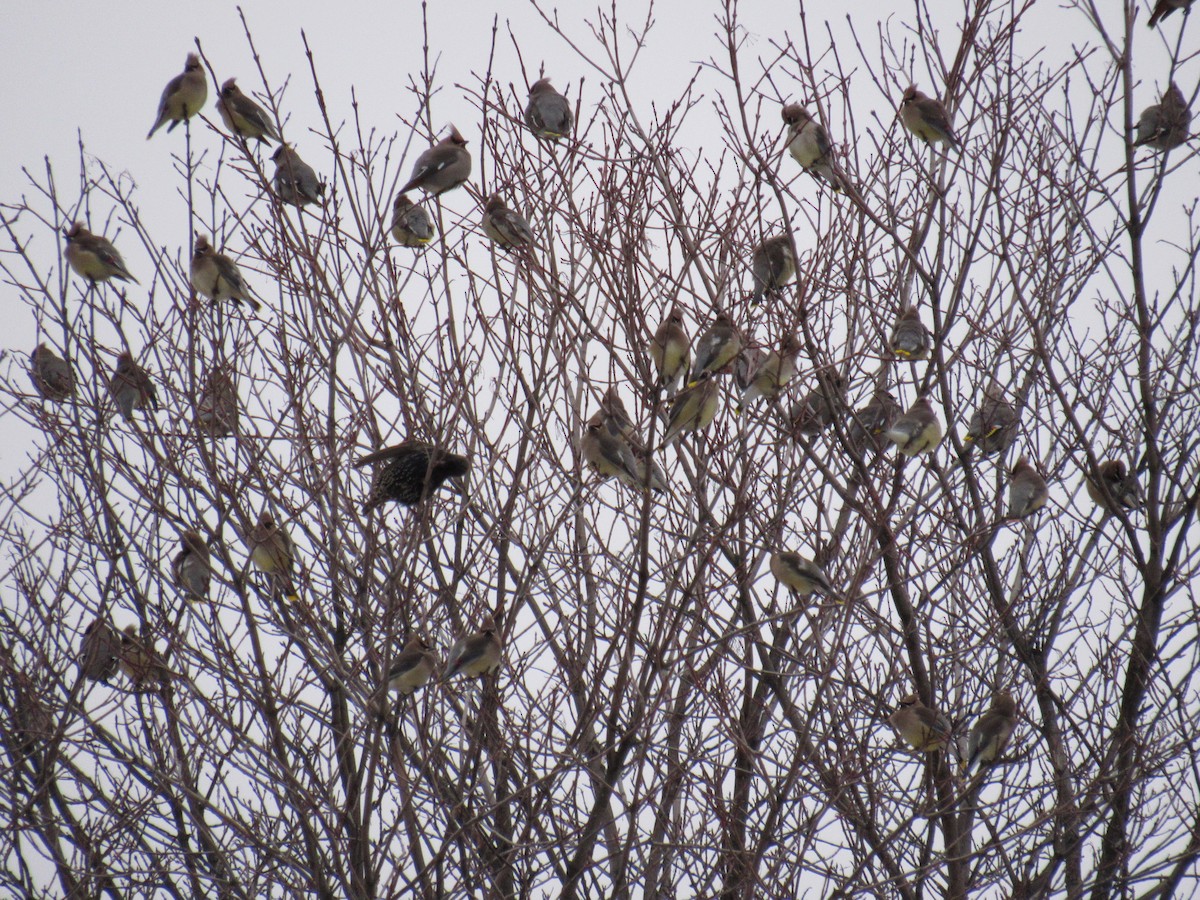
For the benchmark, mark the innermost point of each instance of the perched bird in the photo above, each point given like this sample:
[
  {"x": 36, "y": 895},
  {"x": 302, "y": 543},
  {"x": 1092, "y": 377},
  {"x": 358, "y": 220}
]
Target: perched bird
[
  {"x": 51, "y": 374},
  {"x": 992, "y": 732},
  {"x": 94, "y": 257},
  {"x": 217, "y": 408},
  {"x": 411, "y": 226},
  {"x": 809, "y": 144},
  {"x": 773, "y": 264},
  {"x": 442, "y": 167},
  {"x": 1164, "y": 8},
  {"x": 926, "y": 118},
  {"x": 993, "y": 427},
  {"x": 746, "y": 366},
  {"x": 671, "y": 350},
  {"x": 413, "y": 472},
  {"x": 817, "y": 409},
  {"x": 910, "y": 338},
  {"x": 1164, "y": 126},
  {"x": 917, "y": 431},
  {"x": 412, "y": 668},
  {"x": 773, "y": 374},
  {"x": 191, "y": 569},
  {"x": 217, "y": 277},
  {"x": 474, "y": 655},
  {"x": 504, "y": 226},
  {"x": 272, "y": 550},
  {"x": 923, "y": 729},
  {"x": 616, "y": 416},
  {"x": 693, "y": 408},
  {"x": 872, "y": 422},
  {"x": 801, "y": 576},
  {"x": 610, "y": 455},
  {"x": 717, "y": 347},
  {"x": 1027, "y": 491},
  {"x": 295, "y": 180},
  {"x": 182, "y": 97},
  {"x": 141, "y": 663},
  {"x": 243, "y": 116},
  {"x": 1121, "y": 484},
  {"x": 131, "y": 387},
  {"x": 548, "y": 114},
  {"x": 98, "y": 651}
]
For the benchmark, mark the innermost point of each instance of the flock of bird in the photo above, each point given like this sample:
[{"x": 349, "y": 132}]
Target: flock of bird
[{"x": 689, "y": 374}]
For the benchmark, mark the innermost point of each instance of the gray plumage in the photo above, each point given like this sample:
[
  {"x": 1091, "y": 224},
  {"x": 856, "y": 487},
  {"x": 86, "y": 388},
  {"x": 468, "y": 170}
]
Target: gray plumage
[
  {"x": 505, "y": 226},
  {"x": 295, "y": 180},
  {"x": 923, "y": 729},
  {"x": 1164, "y": 8},
  {"x": 475, "y": 655},
  {"x": 910, "y": 338},
  {"x": 671, "y": 351},
  {"x": 800, "y": 575},
  {"x": 411, "y": 225},
  {"x": 442, "y": 167},
  {"x": 917, "y": 431},
  {"x": 994, "y": 426},
  {"x": 548, "y": 113},
  {"x": 1122, "y": 486},
  {"x": 51, "y": 374},
  {"x": 217, "y": 408},
  {"x": 773, "y": 374},
  {"x": 191, "y": 569},
  {"x": 870, "y": 423},
  {"x": 1164, "y": 126},
  {"x": 992, "y": 732},
  {"x": 412, "y": 668},
  {"x": 98, "y": 651},
  {"x": 1027, "y": 490},
  {"x": 717, "y": 348},
  {"x": 817, "y": 409}
]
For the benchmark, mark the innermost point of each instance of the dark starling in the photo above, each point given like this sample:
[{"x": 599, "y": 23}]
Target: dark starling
[{"x": 414, "y": 470}]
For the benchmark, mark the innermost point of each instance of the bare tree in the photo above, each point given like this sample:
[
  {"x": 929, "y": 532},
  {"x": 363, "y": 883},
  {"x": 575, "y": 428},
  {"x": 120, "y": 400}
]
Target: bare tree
[{"x": 668, "y": 719}]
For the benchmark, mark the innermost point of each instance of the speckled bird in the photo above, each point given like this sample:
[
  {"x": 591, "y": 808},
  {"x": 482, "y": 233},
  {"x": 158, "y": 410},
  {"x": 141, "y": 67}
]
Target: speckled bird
[{"x": 413, "y": 471}]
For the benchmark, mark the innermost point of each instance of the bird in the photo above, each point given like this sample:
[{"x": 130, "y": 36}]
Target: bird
[
  {"x": 671, "y": 351},
  {"x": 272, "y": 550},
  {"x": 217, "y": 408},
  {"x": 412, "y": 668},
  {"x": 295, "y": 180},
  {"x": 411, "y": 226},
  {"x": 1164, "y": 8},
  {"x": 505, "y": 226},
  {"x": 1164, "y": 126},
  {"x": 717, "y": 347},
  {"x": 183, "y": 96},
  {"x": 610, "y": 454},
  {"x": 992, "y": 427},
  {"x": 51, "y": 374},
  {"x": 809, "y": 144},
  {"x": 923, "y": 729},
  {"x": 926, "y": 118},
  {"x": 141, "y": 663},
  {"x": 98, "y": 651},
  {"x": 772, "y": 375},
  {"x": 772, "y": 264},
  {"x": 243, "y": 116},
  {"x": 414, "y": 470},
  {"x": 191, "y": 569},
  {"x": 801, "y": 576},
  {"x": 616, "y": 416},
  {"x": 817, "y": 409},
  {"x": 94, "y": 257},
  {"x": 693, "y": 408},
  {"x": 910, "y": 338},
  {"x": 1027, "y": 491},
  {"x": 746, "y": 366},
  {"x": 872, "y": 422},
  {"x": 217, "y": 277},
  {"x": 475, "y": 655},
  {"x": 548, "y": 113},
  {"x": 992, "y": 732},
  {"x": 917, "y": 431},
  {"x": 131, "y": 387},
  {"x": 1121, "y": 484},
  {"x": 442, "y": 167}
]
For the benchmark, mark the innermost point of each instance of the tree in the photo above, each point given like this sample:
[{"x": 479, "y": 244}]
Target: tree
[{"x": 668, "y": 719}]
